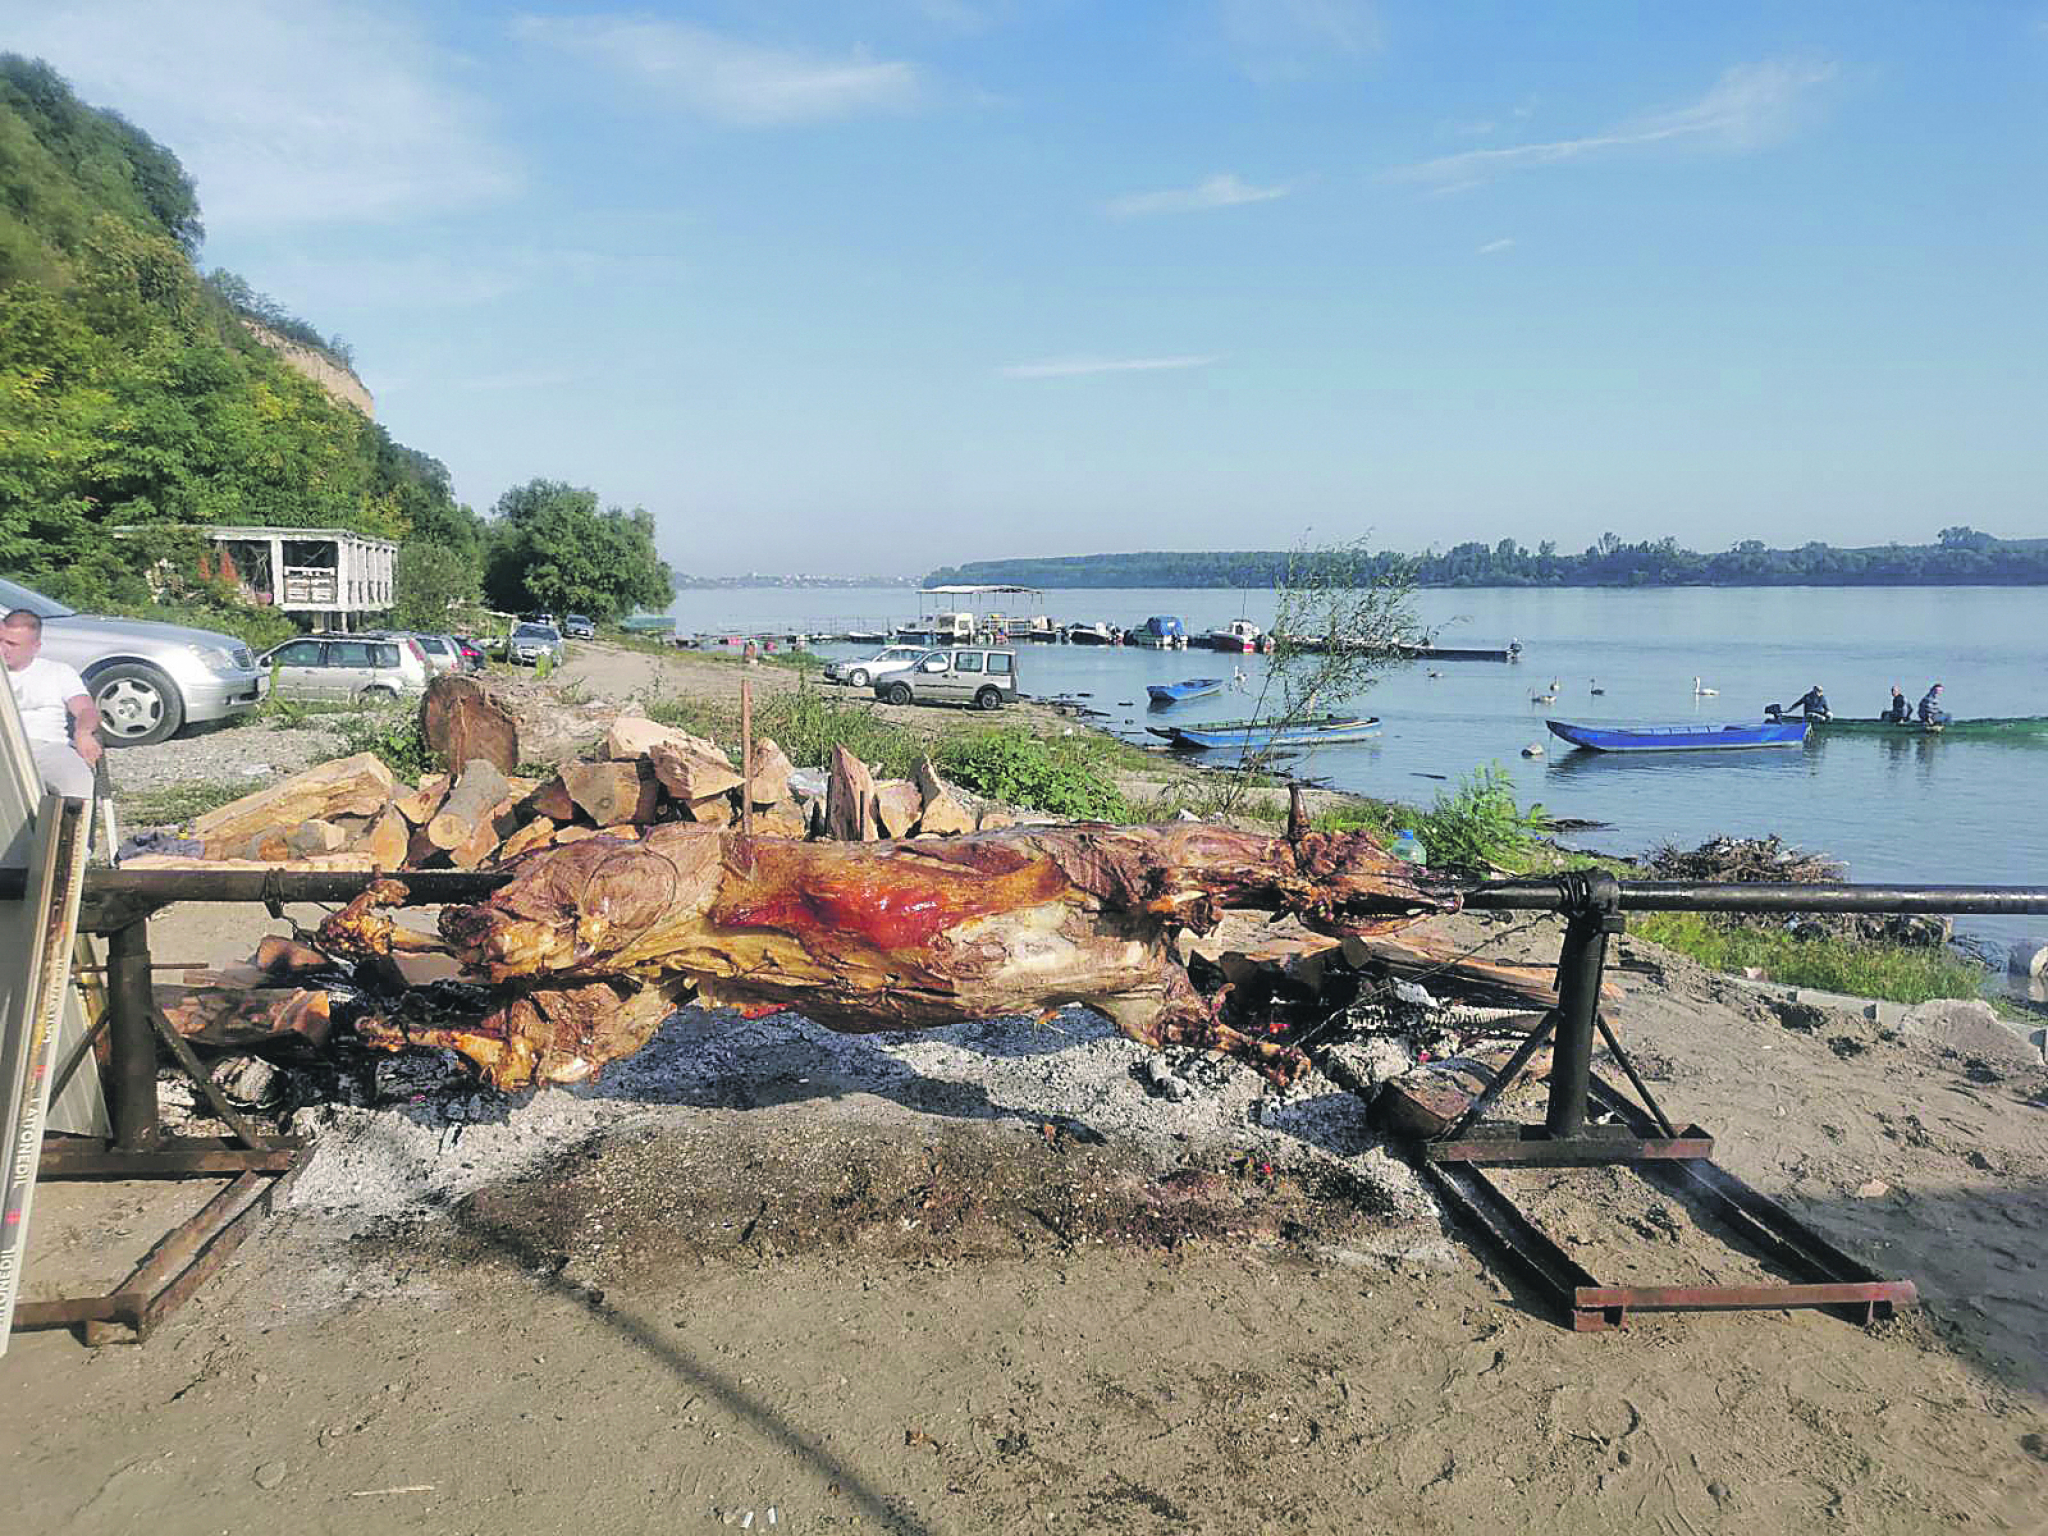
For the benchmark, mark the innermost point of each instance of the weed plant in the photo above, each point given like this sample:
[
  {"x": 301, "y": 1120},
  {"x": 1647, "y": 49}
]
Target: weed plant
[{"x": 1899, "y": 973}]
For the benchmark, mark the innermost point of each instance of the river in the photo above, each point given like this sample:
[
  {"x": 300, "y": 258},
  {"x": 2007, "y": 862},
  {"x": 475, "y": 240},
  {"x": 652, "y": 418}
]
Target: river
[{"x": 1923, "y": 810}]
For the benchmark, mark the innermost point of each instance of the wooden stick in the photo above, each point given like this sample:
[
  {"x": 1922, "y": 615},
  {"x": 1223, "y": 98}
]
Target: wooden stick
[{"x": 747, "y": 765}]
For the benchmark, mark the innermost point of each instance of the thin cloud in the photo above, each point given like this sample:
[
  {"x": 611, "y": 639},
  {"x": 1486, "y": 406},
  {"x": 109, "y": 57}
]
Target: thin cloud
[
  {"x": 724, "y": 78},
  {"x": 1224, "y": 191},
  {"x": 319, "y": 112},
  {"x": 1076, "y": 367},
  {"x": 1750, "y": 105},
  {"x": 1284, "y": 39},
  {"x": 1494, "y": 247}
]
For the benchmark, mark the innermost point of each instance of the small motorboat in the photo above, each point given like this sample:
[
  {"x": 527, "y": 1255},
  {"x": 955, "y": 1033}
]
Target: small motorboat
[
  {"x": 1679, "y": 738},
  {"x": 1090, "y": 634},
  {"x": 1240, "y": 635},
  {"x": 1319, "y": 730},
  {"x": 1187, "y": 688}
]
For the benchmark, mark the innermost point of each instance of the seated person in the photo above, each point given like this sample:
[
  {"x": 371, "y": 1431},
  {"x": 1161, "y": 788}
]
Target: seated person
[
  {"x": 1900, "y": 711},
  {"x": 1813, "y": 704},
  {"x": 1931, "y": 712},
  {"x": 57, "y": 714}
]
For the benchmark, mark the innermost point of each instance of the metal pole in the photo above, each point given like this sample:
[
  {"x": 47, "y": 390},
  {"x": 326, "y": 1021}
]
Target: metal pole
[
  {"x": 132, "y": 1080},
  {"x": 1718, "y": 896},
  {"x": 1581, "y": 963}
]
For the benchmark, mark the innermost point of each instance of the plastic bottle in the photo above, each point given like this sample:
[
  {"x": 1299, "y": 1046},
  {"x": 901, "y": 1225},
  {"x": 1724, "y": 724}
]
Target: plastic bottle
[{"x": 1408, "y": 846}]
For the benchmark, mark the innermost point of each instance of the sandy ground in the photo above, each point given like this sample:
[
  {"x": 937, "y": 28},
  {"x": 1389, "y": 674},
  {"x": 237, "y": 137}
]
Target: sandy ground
[{"x": 986, "y": 1280}]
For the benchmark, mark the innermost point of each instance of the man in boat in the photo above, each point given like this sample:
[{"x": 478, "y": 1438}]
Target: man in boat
[
  {"x": 1812, "y": 705},
  {"x": 1931, "y": 712},
  {"x": 1900, "y": 713}
]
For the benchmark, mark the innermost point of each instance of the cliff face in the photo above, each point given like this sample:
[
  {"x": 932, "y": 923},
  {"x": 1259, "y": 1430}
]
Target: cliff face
[{"x": 339, "y": 383}]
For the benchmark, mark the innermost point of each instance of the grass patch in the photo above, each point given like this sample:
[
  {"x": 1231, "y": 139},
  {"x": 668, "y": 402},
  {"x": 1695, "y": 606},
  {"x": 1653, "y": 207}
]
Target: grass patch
[
  {"x": 393, "y": 735},
  {"x": 175, "y": 804},
  {"x": 1898, "y": 973}
]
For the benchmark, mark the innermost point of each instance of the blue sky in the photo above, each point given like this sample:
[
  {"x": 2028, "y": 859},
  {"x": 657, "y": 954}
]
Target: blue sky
[{"x": 875, "y": 285}]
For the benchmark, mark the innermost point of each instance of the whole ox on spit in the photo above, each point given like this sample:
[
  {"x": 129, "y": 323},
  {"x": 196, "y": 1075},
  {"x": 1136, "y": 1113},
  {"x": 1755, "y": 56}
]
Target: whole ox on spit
[{"x": 595, "y": 943}]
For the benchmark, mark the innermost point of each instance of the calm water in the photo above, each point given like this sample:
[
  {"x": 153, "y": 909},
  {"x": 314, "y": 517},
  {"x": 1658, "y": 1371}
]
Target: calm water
[{"x": 1892, "y": 810}]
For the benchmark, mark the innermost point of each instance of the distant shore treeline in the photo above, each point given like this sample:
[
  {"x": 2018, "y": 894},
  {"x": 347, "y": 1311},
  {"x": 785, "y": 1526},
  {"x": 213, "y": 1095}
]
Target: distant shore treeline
[{"x": 1962, "y": 557}]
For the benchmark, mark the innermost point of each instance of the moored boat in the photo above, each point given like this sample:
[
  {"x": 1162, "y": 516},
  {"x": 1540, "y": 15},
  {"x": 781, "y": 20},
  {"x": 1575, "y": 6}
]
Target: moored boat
[
  {"x": 1679, "y": 738},
  {"x": 1090, "y": 634},
  {"x": 1989, "y": 727},
  {"x": 1187, "y": 688},
  {"x": 1161, "y": 632},
  {"x": 1240, "y": 635},
  {"x": 1319, "y": 730}
]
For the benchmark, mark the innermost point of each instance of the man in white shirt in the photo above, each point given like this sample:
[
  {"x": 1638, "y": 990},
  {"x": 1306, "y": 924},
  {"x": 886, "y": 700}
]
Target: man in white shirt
[{"x": 57, "y": 714}]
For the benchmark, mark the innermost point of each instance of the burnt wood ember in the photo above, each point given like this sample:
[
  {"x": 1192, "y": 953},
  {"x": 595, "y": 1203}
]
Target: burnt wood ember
[{"x": 882, "y": 936}]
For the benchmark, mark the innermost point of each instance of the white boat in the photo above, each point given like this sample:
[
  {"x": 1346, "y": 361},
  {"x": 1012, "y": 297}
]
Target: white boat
[
  {"x": 1240, "y": 635},
  {"x": 1090, "y": 634}
]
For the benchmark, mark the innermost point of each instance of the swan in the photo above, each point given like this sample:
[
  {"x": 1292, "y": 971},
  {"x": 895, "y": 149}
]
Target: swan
[
  {"x": 1543, "y": 698},
  {"x": 1699, "y": 692},
  {"x": 1435, "y": 673},
  {"x": 1597, "y": 689}
]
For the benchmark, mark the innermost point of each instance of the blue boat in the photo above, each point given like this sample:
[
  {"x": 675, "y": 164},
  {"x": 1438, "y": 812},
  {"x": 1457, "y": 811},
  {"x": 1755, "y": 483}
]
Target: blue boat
[
  {"x": 1320, "y": 730},
  {"x": 1679, "y": 738},
  {"x": 1190, "y": 688},
  {"x": 1162, "y": 632}
]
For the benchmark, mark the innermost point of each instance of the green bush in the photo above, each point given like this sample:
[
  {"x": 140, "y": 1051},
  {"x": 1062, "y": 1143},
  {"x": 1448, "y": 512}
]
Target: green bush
[
  {"x": 1018, "y": 768},
  {"x": 1480, "y": 825},
  {"x": 393, "y": 734}
]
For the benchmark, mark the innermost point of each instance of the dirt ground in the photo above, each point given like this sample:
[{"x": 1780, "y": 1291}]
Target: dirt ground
[{"x": 985, "y": 1281}]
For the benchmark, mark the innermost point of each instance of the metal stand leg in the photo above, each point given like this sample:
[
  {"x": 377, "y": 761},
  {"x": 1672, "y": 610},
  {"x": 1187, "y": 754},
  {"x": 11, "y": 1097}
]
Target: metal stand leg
[{"x": 132, "y": 1089}]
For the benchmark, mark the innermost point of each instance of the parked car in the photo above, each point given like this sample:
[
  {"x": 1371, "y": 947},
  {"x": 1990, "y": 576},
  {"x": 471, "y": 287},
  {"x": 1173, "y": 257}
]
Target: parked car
[
  {"x": 577, "y": 627},
  {"x": 474, "y": 657},
  {"x": 890, "y": 658},
  {"x": 346, "y": 668},
  {"x": 443, "y": 652},
  {"x": 148, "y": 679},
  {"x": 985, "y": 679},
  {"x": 529, "y": 642}
]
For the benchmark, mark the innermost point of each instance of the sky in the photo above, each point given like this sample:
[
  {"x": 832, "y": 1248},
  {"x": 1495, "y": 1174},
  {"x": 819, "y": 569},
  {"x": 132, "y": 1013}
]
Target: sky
[{"x": 868, "y": 286}]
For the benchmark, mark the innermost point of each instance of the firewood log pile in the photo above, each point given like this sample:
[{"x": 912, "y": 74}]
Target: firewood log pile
[{"x": 352, "y": 814}]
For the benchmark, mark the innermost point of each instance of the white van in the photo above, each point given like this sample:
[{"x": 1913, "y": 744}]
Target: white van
[{"x": 985, "y": 679}]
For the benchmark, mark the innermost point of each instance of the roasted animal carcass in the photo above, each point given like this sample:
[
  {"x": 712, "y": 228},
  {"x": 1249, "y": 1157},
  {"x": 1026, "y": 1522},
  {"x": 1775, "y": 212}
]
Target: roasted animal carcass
[{"x": 600, "y": 938}]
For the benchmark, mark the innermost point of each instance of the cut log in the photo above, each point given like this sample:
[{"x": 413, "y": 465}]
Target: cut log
[
  {"x": 692, "y": 771},
  {"x": 386, "y": 840},
  {"x": 632, "y": 736},
  {"x": 476, "y": 794},
  {"x": 418, "y": 807},
  {"x": 849, "y": 799},
  {"x": 785, "y": 818},
  {"x": 535, "y": 834},
  {"x": 903, "y": 935},
  {"x": 897, "y": 806},
  {"x": 506, "y": 722},
  {"x": 768, "y": 772},
  {"x": 352, "y": 786},
  {"x": 551, "y": 800},
  {"x": 310, "y": 837},
  {"x": 610, "y": 793},
  {"x": 943, "y": 816},
  {"x": 491, "y": 829},
  {"x": 712, "y": 810}
]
